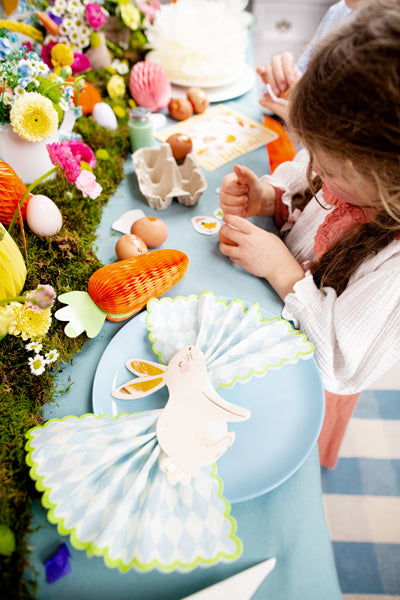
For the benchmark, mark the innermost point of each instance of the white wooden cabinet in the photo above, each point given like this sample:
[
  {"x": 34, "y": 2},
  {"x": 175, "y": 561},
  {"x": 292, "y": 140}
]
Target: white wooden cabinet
[{"x": 286, "y": 25}]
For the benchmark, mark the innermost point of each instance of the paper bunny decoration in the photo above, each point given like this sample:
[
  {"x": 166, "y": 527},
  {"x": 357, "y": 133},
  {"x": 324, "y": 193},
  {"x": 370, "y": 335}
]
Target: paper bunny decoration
[
  {"x": 106, "y": 480},
  {"x": 192, "y": 429}
]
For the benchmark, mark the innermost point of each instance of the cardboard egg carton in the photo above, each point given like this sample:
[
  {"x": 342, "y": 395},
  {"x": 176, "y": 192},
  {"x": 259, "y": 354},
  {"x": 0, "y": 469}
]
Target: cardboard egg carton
[{"x": 161, "y": 179}]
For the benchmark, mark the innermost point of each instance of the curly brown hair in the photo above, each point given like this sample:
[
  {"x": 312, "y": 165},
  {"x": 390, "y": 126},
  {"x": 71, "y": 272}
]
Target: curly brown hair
[{"x": 347, "y": 104}]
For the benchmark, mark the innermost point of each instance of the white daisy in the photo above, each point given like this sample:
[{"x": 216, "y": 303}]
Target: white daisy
[
  {"x": 75, "y": 7},
  {"x": 37, "y": 364},
  {"x": 19, "y": 90},
  {"x": 34, "y": 347},
  {"x": 51, "y": 356},
  {"x": 59, "y": 5},
  {"x": 7, "y": 98}
]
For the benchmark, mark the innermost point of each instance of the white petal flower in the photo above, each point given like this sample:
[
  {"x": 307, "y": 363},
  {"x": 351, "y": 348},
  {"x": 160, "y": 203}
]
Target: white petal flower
[
  {"x": 59, "y": 5},
  {"x": 34, "y": 346},
  {"x": 37, "y": 364},
  {"x": 51, "y": 356}
]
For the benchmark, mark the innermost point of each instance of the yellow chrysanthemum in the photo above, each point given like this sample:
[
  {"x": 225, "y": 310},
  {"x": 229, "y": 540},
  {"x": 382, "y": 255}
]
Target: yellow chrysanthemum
[
  {"x": 130, "y": 15},
  {"x": 6, "y": 318},
  {"x": 33, "y": 117},
  {"x": 116, "y": 87},
  {"x": 61, "y": 56},
  {"x": 29, "y": 323}
]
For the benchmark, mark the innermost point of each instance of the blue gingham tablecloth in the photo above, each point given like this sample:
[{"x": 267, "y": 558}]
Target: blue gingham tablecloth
[{"x": 362, "y": 500}]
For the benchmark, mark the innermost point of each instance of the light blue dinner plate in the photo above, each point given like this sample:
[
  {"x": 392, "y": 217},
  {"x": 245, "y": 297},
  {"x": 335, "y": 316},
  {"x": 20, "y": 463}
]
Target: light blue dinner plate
[{"x": 286, "y": 404}]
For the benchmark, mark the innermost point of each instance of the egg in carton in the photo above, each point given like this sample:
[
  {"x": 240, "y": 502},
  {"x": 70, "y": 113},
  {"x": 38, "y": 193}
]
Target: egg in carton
[{"x": 161, "y": 179}]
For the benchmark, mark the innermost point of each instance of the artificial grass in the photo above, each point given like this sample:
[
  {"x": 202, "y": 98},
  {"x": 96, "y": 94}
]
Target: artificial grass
[{"x": 66, "y": 262}]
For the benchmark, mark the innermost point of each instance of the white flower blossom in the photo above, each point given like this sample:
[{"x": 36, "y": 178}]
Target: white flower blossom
[
  {"x": 51, "y": 356},
  {"x": 37, "y": 364},
  {"x": 34, "y": 347}
]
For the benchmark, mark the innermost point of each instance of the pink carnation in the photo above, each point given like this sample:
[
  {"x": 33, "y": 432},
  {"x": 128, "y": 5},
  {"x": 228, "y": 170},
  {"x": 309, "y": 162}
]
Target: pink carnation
[
  {"x": 80, "y": 63},
  {"x": 149, "y": 8},
  {"x": 45, "y": 53},
  {"x": 95, "y": 16},
  {"x": 61, "y": 155},
  {"x": 88, "y": 185},
  {"x": 43, "y": 297},
  {"x": 82, "y": 152}
]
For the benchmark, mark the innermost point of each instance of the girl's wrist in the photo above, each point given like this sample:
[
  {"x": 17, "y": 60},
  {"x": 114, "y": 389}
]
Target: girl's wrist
[
  {"x": 267, "y": 201},
  {"x": 284, "y": 278}
]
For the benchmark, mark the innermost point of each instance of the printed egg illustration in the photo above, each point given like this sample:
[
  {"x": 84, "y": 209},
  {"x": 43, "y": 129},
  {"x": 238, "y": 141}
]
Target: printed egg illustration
[
  {"x": 43, "y": 216},
  {"x": 152, "y": 230}
]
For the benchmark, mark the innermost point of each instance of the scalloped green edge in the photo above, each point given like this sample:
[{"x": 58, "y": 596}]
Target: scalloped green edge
[
  {"x": 92, "y": 550},
  {"x": 246, "y": 308}
]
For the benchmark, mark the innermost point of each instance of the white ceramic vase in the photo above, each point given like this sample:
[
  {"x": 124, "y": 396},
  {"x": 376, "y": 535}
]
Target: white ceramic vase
[{"x": 30, "y": 160}]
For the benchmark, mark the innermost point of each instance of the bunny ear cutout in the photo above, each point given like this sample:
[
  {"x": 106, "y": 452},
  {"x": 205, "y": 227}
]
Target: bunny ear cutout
[
  {"x": 103, "y": 486},
  {"x": 145, "y": 367},
  {"x": 138, "y": 388},
  {"x": 237, "y": 342}
]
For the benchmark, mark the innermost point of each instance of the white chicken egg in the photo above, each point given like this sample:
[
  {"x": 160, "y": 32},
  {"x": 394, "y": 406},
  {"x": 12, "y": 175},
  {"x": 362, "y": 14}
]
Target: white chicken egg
[
  {"x": 104, "y": 115},
  {"x": 43, "y": 216}
]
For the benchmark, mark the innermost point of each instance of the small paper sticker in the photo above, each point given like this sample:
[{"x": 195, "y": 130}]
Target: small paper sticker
[
  {"x": 218, "y": 213},
  {"x": 206, "y": 225}
]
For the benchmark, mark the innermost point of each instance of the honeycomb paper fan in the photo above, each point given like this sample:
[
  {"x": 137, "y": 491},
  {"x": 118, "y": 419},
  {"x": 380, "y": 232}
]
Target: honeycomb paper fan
[
  {"x": 149, "y": 86},
  {"x": 103, "y": 487},
  {"x": 236, "y": 341}
]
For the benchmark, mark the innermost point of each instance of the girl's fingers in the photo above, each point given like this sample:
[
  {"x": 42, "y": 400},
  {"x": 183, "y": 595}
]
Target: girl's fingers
[{"x": 237, "y": 223}]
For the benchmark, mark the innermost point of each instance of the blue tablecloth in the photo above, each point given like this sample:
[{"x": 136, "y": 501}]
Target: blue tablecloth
[{"x": 287, "y": 522}]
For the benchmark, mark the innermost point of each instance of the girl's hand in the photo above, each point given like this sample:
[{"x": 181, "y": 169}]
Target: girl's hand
[
  {"x": 261, "y": 253},
  {"x": 281, "y": 72},
  {"x": 275, "y": 107},
  {"x": 243, "y": 194}
]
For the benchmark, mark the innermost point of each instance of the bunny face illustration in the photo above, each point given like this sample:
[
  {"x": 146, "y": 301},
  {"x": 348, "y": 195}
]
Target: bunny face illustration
[{"x": 192, "y": 428}]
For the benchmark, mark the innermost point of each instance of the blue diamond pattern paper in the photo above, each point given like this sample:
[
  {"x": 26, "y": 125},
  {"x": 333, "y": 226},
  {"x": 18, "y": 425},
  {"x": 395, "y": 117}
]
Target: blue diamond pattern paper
[
  {"x": 236, "y": 341},
  {"x": 102, "y": 477},
  {"x": 103, "y": 487}
]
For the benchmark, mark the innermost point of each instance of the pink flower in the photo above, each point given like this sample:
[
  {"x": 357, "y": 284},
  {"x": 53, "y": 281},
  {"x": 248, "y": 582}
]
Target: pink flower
[
  {"x": 61, "y": 155},
  {"x": 43, "y": 297},
  {"x": 80, "y": 63},
  {"x": 149, "y": 8},
  {"x": 95, "y": 16},
  {"x": 88, "y": 185},
  {"x": 45, "y": 53},
  {"x": 82, "y": 152}
]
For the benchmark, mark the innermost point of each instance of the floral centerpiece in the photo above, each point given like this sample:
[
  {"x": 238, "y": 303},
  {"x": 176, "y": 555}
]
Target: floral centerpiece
[
  {"x": 126, "y": 27},
  {"x": 34, "y": 100},
  {"x": 29, "y": 317},
  {"x": 76, "y": 23}
]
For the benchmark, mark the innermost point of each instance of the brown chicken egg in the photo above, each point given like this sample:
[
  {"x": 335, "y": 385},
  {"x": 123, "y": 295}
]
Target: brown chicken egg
[
  {"x": 198, "y": 99},
  {"x": 181, "y": 144},
  {"x": 180, "y": 108},
  {"x": 152, "y": 230},
  {"x": 129, "y": 245}
]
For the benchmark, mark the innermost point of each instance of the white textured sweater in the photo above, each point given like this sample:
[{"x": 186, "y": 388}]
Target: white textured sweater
[{"x": 356, "y": 335}]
